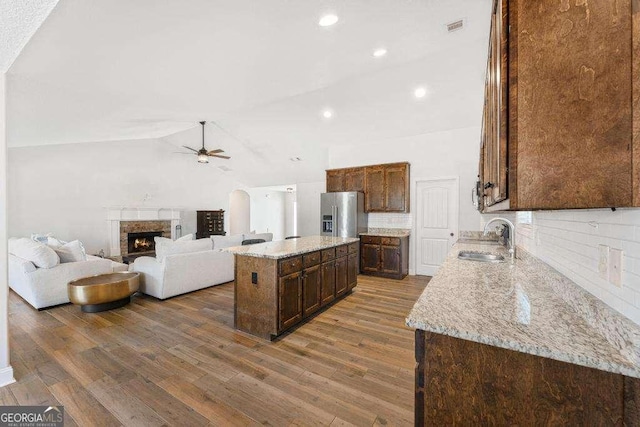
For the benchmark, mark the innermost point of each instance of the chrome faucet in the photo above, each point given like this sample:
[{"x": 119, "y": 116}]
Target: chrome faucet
[{"x": 512, "y": 234}]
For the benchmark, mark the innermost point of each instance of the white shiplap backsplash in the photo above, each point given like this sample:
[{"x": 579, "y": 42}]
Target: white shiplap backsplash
[
  {"x": 390, "y": 220},
  {"x": 569, "y": 240}
]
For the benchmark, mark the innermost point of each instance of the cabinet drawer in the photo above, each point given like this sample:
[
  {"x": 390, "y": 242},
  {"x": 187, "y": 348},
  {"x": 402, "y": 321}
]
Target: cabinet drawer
[
  {"x": 311, "y": 259},
  {"x": 342, "y": 251},
  {"x": 290, "y": 265},
  {"x": 328, "y": 254},
  {"x": 390, "y": 241},
  {"x": 353, "y": 247},
  {"x": 370, "y": 239}
]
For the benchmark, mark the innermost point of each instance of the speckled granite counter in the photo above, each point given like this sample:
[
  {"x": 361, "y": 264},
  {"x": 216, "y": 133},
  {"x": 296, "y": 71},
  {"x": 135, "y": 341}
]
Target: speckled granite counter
[
  {"x": 528, "y": 307},
  {"x": 287, "y": 248},
  {"x": 387, "y": 232}
]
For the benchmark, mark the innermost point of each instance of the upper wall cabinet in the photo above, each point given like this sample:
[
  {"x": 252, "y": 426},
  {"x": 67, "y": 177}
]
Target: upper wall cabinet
[
  {"x": 562, "y": 90},
  {"x": 385, "y": 187}
]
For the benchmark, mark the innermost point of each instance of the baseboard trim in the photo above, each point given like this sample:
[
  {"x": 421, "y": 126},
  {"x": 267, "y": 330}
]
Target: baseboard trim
[
  {"x": 412, "y": 272},
  {"x": 6, "y": 376}
]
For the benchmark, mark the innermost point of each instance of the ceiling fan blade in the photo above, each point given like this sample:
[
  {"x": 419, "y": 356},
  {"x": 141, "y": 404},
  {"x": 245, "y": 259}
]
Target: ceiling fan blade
[
  {"x": 219, "y": 156},
  {"x": 189, "y": 148},
  {"x": 217, "y": 150}
]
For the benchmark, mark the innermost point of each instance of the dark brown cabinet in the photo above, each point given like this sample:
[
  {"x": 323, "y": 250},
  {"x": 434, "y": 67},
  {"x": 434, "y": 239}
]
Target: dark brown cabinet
[
  {"x": 311, "y": 282},
  {"x": 342, "y": 278},
  {"x": 335, "y": 180},
  {"x": 290, "y": 300},
  {"x": 384, "y": 256},
  {"x": 352, "y": 269},
  {"x": 272, "y": 295},
  {"x": 374, "y": 190},
  {"x": 461, "y": 382},
  {"x": 328, "y": 292},
  {"x": 209, "y": 223},
  {"x": 385, "y": 187},
  {"x": 563, "y": 91}
]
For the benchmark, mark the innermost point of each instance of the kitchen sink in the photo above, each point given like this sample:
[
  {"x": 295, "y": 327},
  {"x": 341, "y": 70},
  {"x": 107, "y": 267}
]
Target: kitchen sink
[{"x": 480, "y": 256}]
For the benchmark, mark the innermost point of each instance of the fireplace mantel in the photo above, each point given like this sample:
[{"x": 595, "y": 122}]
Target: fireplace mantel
[{"x": 117, "y": 214}]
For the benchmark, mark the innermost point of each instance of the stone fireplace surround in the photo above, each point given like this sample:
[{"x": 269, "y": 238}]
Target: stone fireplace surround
[{"x": 124, "y": 220}]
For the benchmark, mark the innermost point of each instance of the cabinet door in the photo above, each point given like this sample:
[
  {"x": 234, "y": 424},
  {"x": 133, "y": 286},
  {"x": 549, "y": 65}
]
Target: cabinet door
[
  {"x": 352, "y": 271},
  {"x": 354, "y": 179},
  {"x": 374, "y": 189},
  {"x": 495, "y": 121},
  {"x": 390, "y": 259},
  {"x": 311, "y": 290},
  {"x": 396, "y": 188},
  {"x": 290, "y": 299},
  {"x": 328, "y": 292},
  {"x": 370, "y": 261},
  {"x": 335, "y": 180},
  {"x": 342, "y": 279}
]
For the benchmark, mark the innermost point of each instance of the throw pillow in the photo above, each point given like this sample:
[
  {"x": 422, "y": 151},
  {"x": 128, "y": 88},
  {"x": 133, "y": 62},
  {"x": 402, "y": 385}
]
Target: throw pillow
[
  {"x": 54, "y": 242},
  {"x": 71, "y": 252},
  {"x": 42, "y": 256},
  {"x": 267, "y": 237},
  {"x": 41, "y": 238},
  {"x": 220, "y": 242}
]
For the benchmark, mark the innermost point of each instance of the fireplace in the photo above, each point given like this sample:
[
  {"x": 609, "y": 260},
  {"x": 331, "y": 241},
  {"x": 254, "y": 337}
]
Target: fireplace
[{"x": 142, "y": 242}]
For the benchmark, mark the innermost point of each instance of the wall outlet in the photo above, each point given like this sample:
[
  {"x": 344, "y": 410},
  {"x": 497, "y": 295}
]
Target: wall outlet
[
  {"x": 603, "y": 262},
  {"x": 615, "y": 267}
]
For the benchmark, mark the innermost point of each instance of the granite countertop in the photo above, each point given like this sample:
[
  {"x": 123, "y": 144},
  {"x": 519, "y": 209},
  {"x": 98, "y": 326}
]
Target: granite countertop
[
  {"x": 286, "y": 248},
  {"x": 387, "y": 232},
  {"x": 526, "y": 306}
]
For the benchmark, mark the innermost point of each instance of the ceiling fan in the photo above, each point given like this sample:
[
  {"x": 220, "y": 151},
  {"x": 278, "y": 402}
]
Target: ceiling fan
[{"x": 203, "y": 154}]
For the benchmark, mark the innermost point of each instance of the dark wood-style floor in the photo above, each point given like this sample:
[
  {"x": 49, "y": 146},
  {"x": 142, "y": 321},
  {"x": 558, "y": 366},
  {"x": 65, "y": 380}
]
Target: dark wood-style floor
[{"x": 180, "y": 362}]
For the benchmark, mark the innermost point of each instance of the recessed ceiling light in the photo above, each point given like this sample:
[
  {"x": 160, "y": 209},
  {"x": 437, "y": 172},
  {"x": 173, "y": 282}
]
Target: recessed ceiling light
[
  {"x": 328, "y": 20},
  {"x": 420, "y": 92},
  {"x": 380, "y": 52},
  {"x": 327, "y": 114}
]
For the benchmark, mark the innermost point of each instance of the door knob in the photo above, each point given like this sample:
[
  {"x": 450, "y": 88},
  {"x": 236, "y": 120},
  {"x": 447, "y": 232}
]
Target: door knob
[{"x": 451, "y": 234}]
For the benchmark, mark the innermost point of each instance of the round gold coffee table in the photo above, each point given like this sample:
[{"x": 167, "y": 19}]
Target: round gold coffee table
[{"x": 104, "y": 291}]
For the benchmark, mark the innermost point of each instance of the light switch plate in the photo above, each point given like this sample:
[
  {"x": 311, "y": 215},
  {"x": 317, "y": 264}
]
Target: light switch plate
[
  {"x": 603, "y": 262},
  {"x": 615, "y": 267}
]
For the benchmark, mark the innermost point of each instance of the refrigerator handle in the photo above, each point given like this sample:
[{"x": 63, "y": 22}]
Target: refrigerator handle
[{"x": 334, "y": 226}]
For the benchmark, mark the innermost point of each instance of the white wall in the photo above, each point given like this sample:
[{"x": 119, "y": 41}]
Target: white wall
[
  {"x": 568, "y": 241},
  {"x": 63, "y": 189},
  {"x": 239, "y": 212},
  {"x": 268, "y": 211},
  {"x": 290, "y": 216},
  {"x": 6, "y": 372},
  {"x": 308, "y": 198}
]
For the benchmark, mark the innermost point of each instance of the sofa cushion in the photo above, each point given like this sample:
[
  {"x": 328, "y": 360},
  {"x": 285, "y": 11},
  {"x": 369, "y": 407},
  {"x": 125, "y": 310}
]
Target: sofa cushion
[
  {"x": 220, "y": 242},
  {"x": 267, "y": 237},
  {"x": 40, "y": 255},
  {"x": 71, "y": 252},
  {"x": 183, "y": 247},
  {"x": 185, "y": 238}
]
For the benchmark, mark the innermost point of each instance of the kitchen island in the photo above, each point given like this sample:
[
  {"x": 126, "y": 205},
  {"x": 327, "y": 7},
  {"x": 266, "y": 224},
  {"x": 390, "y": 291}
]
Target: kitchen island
[
  {"x": 518, "y": 343},
  {"x": 280, "y": 284}
]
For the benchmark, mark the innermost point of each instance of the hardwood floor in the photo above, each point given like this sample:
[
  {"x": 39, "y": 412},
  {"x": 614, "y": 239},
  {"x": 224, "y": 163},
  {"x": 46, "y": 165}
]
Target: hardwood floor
[{"x": 180, "y": 362}]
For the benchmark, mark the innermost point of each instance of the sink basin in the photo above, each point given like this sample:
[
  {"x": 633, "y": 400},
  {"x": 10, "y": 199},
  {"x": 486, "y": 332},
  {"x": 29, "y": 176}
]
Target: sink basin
[{"x": 480, "y": 256}]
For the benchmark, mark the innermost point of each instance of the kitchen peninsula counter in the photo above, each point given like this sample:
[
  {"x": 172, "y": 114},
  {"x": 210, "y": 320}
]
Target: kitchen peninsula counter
[
  {"x": 502, "y": 341},
  {"x": 281, "y": 283}
]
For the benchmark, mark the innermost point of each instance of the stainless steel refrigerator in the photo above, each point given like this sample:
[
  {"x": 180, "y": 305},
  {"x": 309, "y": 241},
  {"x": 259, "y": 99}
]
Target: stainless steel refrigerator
[{"x": 342, "y": 214}]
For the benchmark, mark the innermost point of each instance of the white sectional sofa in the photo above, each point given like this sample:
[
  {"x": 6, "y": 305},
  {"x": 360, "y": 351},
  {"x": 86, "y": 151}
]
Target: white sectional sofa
[
  {"x": 46, "y": 287},
  {"x": 178, "y": 270}
]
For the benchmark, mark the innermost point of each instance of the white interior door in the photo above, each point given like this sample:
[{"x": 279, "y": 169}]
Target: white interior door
[{"x": 437, "y": 223}]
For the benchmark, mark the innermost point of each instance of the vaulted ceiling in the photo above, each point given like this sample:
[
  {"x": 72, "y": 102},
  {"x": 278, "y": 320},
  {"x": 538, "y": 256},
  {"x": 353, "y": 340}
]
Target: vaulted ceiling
[{"x": 264, "y": 70}]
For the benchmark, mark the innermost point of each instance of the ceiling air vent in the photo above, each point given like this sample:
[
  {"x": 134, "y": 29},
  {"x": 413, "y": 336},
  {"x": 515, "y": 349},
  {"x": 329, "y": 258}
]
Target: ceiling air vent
[
  {"x": 224, "y": 168},
  {"x": 455, "y": 26}
]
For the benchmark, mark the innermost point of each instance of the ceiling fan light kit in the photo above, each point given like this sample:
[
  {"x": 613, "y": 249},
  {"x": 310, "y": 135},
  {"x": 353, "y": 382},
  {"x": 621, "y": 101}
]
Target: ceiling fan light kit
[{"x": 203, "y": 154}]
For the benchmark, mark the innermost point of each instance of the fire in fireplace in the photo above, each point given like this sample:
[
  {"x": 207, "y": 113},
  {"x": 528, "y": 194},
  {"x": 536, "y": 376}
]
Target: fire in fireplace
[{"x": 142, "y": 242}]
